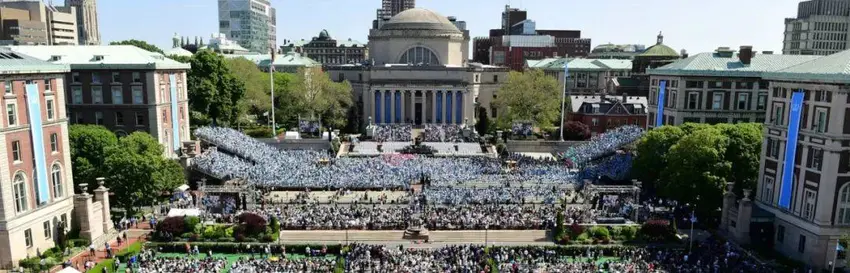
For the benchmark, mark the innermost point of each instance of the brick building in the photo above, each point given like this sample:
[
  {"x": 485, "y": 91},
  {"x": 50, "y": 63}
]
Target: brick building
[
  {"x": 37, "y": 193},
  {"x": 601, "y": 113},
  {"x": 123, "y": 88}
]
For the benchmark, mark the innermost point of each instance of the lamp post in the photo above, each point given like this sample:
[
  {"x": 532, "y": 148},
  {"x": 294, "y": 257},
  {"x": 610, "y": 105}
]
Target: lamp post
[{"x": 693, "y": 219}]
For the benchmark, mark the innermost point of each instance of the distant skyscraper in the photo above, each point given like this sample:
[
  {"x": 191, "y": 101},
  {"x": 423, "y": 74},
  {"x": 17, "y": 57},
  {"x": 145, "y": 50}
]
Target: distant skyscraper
[
  {"x": 390, "y": 8},
  {"x": 87, "y": 28},
  {"x": 820, "y": 28},
  {"x": 251, "y": 23}
]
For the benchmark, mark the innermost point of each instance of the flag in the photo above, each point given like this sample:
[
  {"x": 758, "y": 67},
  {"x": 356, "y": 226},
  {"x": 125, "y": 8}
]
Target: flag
[{"x": 693, "y": 218}]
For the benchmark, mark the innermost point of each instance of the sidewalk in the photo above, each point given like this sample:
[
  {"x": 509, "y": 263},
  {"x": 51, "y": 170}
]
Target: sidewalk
[{"x": 80, "y": 259}]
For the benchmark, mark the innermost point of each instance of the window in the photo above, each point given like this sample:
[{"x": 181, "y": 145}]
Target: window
[
  {"x": 117, "y": 95},
  {"x": 138, "y": 98},
  {"x": 820, "y": 120},
  {"x": 54, "y": 142},
  {"x": 116, "y": 77},
  {"x": 761, "y": 102},
  {"x": 75, "y": 77},
  {"x": 77, "y": 94},
  {"x": 780, "y": 233},
  {"x": 12, "y": 113},
  {"x": 767, "y": 190},
  {"x": 595, "y": 121},
  {"x": 119, "y": 119},
  {"x": 773, "y": 148},
  {"x": 778, "y": 110},
  {"x": 495, "y": 78},
  {"x": 815, "y": 158},
  {"x": 419, "y": 55},
  {"x": 140, "y": 119},
  {"x": 47, "y": 86},
  {"x": 693, "y": 100},
  {"x": 28, "y": 237},
  {"x": 137, "y": 77},
  {"x": 95, "y": 78},
  {"x": 801, "y": 245},
  {"x": 98, "y": 118},
  {"x": 64, "y": 220},
  {"x": 49, "y": 108},
  {"x": 79, "y": 118},
  {"x": 743, "y": 101},
  {"x": 97, "y": 94},
  {"x": 477, "y": 78},
  {"x": 717, "y": 101},
  {"x": 694, "y": 84},
  {"x": 809, "y": 209},
  {"x": 56, "y": 175},
  {"x": 20, "y": 187},
  {"x": 843, "y": 206},
  {"x": 47, "y": 231}
]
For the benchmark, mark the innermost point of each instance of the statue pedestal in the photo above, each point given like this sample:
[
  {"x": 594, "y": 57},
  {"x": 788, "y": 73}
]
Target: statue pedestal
[{"x": 416, "y": 231}]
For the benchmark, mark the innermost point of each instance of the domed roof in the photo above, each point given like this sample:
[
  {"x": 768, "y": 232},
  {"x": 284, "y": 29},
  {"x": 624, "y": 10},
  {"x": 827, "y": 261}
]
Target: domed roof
[
  {"x": 419, "y": 19},
  {"x": 659, "y": 49},
  {"x": 324, "y": 34}
]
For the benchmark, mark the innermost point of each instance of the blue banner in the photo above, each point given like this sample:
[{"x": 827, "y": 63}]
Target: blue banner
[
  {"x": 398, "y": 107},
  {"x": 37, "y": 135},
  {"x": 377, "y": 107},
  {"x": 459, "y": 105},
  {"x": 448, "y": 106},
  {"x": 175, "y": 119},
  {"x": 794, "y": 113},
  {"x": 659, "y": 118},
  {"x": 439, "y": 107},
  {"x": 387, "y": 108}
]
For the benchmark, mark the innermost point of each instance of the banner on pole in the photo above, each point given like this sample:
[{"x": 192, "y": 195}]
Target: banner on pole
[
  {"x": 662, "y": 90},
  {"x": 787, "y": 185}
]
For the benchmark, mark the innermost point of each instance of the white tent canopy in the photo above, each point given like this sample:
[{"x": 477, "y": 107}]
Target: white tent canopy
[
  {"x": 183, "y": 187},
  {"x": 184, "y": 212},
  {"x": 68, "y": 270}
]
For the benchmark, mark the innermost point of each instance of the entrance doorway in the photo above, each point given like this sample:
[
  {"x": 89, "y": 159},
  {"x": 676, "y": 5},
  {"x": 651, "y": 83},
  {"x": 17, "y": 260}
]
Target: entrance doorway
[{"x": 417, "y": 113}]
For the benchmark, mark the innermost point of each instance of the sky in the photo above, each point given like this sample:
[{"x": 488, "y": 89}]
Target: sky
[{"x": 694, "y": 25}]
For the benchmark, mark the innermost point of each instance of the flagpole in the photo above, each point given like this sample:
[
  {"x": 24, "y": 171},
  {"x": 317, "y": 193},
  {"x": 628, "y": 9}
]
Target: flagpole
[
  {"x": 271, "y": 84},
  {"x": 835, "y": 257},
  {"x": 564, "y": 94}
]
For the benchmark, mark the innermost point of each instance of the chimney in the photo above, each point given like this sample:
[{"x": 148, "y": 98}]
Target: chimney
[
  {"x": 625, "y": 97},
  {"x": 684, "y": 54},
  {"x": 767, "y": 52},
  {"x": 746, "y": 54}
]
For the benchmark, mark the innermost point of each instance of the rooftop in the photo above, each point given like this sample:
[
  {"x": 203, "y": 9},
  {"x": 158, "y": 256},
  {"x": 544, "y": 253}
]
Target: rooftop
[
  {"x": 420, "y": 19},
  {"x": 17, "y": 63},
  {"x": 723, "y": 65},
  {"x": 834, "y": 68},
  {"x": 100, "y": 57},
  {"x": 288, "y": 59},
  {"x": 580, "y": 64},
  {"x": 577, "y": 101}
]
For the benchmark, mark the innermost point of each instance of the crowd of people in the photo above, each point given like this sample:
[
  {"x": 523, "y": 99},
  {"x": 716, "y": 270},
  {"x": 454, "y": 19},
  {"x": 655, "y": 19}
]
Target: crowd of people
[
  {"x": 308, "y": 126},
  {"x": 375, "y": 258},
  {"x": 309, "y": 264},
  {"x": 393, "y": 132},
  {"x": 480, "y": 217},
  {"x": 522, "y": 128},
  {"x": 601, "y": 145},
  {"x": 443, "y": 133},
  {"x": 338, "y": 217}
]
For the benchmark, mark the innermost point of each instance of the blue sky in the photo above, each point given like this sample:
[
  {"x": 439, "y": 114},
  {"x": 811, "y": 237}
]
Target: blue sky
[{"x": 695, "y": 25}]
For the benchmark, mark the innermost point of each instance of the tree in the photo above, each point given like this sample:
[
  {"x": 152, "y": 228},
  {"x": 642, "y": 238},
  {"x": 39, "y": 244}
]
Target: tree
[
  {"x": 89, "y": 147},
  {"x": 213, "y": 90},
  {"x": 257, "y": 98},
  {"x": 324, "y": 98},
  {"x": 529, "y": 95},
  {"x": 182, "y": 59},
  {"x": 137, "y": 172},
  {"x": 140, "y": 44},
  {"x": 745, "y": 140},
  {"x": 574, "y": 130},
  {"x": 651, "y": 154},
  {"x": 483, "y": 124}
]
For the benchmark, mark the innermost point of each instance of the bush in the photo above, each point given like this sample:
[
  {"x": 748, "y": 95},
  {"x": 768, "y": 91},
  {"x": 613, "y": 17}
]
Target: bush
[
  {"x": 600, "y": 233},
  {"x": 214, "y": 232},
  {"x": 274, "y": 224},
  {"x": 191, "y": 222},
  {"x": 79, "y": 242},
  {"x": 260, "y": 132},
  {"x": 173, "y": 225},
  {"x": 252, "y": 224},
  {"x": 628, "y": 233},
  {"x": 576, "y": 230}
]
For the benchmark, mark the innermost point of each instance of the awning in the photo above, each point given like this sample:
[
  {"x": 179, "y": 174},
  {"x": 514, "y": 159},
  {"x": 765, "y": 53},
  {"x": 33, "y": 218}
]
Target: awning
[
  {"x": 184, "y": 212},
  {"x": 183, "y": 187}
]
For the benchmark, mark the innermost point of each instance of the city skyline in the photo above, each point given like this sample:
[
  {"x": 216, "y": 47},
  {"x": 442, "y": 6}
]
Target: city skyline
[{"x": 696, "y": 27}]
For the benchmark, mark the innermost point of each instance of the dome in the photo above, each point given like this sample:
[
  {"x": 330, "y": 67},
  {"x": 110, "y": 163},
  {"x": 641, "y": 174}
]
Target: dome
[
  {"x": 324, "y": 35},
  {"x": 419, "y": 19},
  {"x": 660, "y": 50}
]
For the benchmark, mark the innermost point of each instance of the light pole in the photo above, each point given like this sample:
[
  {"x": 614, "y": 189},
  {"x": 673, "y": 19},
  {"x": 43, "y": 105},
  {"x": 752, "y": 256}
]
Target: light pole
[
  {"x": 271, "y": 85},
  {"x": 693, "y": 219}
]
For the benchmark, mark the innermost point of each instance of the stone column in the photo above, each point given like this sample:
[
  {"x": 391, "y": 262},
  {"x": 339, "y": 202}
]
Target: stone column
[
  {"x": 424, "y": 105},
  {"x": 83, "y": 211},
  {"x": 433, "y": 106},
  {"x": 447, "y": 110},
  {"x": 403, "y": 106},
  {"x": 101, "y": 194},
  {"x": 392, "y": 105},
  {"x": 728, "y": 204},
  {"x": 745, "y": 213}
]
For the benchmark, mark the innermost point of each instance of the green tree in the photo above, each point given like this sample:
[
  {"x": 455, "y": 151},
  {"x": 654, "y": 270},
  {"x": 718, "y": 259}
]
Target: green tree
[
  {"x": 745, "y": 140},
  {"x": 256, "y": 100},
  {"x": 140, "y": 44},
  {"x": 89, "y": 146},
  {"x": 652, "y": 152},
  {"x": 529, "y": 95},
  {"x": 138, "y": 174},
  {"x": 182, "y": 59},
  {"x": 324, "y": 98},
  {"x": 483, "y": 124},
  {"x": 214, "y": 91}
]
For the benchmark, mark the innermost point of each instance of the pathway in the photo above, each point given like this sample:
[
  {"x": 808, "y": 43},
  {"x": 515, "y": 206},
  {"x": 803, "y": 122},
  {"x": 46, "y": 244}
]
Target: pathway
[{"x": 133, "y": 235}]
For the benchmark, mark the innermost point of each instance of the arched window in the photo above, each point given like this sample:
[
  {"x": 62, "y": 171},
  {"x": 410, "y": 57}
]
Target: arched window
[
  {"x": 419, "y": 55},
  {"x": 20, "y": 188},
  {"x": 56, "y": 175},
  {"x": 843, "y": 206}
]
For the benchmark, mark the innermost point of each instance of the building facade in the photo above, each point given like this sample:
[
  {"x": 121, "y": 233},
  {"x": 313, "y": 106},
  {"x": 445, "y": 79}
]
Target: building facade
[
  {"x": 718, "y": 87},
  {"x": 587, "y": 76},
  {"x": 37, "y": 192},
  {"x": 390, "y": 8},
  {"x": 820, "y": 28},
  {"x": 328, "y": 51},
  {"x": 519, "y": 40},
  {"x": 18, "y": 27},
  {"x": 251, "y": 23},
  {"x": 60, "y": 23},
  {"x": 808, "y": 202},
  {"x": 123, "y": 88},
  {"x": 420, "y": 74},
  {"x": 88, "y": 31},
  {"x": 612, "y": 51},
  {"x": 601, "y": 113}
]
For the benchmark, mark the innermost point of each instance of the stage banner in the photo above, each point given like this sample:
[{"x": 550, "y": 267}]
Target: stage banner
[
  {"x": 175, "y": 118},
  {"x": 37, "y": 134},
  {"x": 790, "y": 150},
  {"x": 659, "y": 117}
]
